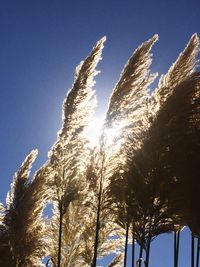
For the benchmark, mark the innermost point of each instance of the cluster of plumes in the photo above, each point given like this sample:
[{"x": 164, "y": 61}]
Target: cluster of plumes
[
  {"x": 143, "y": 172},
  {"x": 160, "y": 176},
  {"x": 22, "y": 236},
  {"x": 69, "y": 160},
  {"x": 68, "y": 156}
]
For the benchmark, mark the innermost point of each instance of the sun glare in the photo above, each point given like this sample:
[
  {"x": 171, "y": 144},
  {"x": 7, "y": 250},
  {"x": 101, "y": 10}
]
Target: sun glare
[
  {"x": 94, "y": 131},
  {"x": 112, "y": 133}
]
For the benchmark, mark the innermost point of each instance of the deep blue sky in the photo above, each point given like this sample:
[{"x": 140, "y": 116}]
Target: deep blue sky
[{"x": 42, "y": 41}]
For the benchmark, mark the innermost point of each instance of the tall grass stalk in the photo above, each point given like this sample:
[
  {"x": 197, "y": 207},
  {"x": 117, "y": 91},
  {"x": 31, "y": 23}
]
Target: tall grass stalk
[
  {"x": 192, "y": 250},
  {"x": 133, "y": 245},
  {"x": 197, "y": 252},
  {"x": 60, "y": 232},
  {"x": 94, "y": 262},
  {"x": 126, "y": 244}
]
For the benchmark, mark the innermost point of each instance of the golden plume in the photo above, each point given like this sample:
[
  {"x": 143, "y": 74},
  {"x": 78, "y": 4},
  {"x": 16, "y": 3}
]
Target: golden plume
[
  {"x": 131, "y": 89},
  {"x": 23, "y": 222},
  {"x": 69, "y": 157},
  {"x": 178, "y": 72},
  {"x": 138, "y": 186},
  {"x": 177, "y": 135},
  {"x": 129, "y": 97}
]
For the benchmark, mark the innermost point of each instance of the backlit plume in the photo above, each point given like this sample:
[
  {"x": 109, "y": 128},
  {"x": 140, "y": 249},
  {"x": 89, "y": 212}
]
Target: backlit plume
[
  {"x": 70, "y": 155},
  {"x": 183, "y": 67},
  {"x": 23, "y": 226},
  {"x": 140, "y": 180}
]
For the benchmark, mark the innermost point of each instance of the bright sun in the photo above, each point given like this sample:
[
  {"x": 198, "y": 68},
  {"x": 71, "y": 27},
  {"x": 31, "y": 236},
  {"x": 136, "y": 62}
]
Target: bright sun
[{"x": 94, "y": 131}]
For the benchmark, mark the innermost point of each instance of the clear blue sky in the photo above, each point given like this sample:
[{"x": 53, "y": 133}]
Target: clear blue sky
[{"x": 41, "y": 42}]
